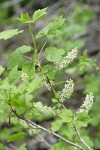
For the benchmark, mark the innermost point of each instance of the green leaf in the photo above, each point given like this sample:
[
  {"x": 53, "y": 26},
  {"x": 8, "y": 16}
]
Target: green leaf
[
  {"x": 39, "y": 13},
  {"x": 49, "y": 71},
  {"x": 52, "y": 28},
  {"x": 35, "y": 84},
  {"x": 20, "y": 105},
  {"x": 23, "y": 49},
  {"x": 4, "y": 133},
  {"x": 83, "y": 119},
  {"x": 9, "y": 33},
  {"x": 2, "y": 147},
  {"x": 56, "y": 125},
  {"x": 54, "y": 54},
  {"x": 24, "y": 18},
  {"x": 7, "y": 86},
  {"x": 28, "y": 67},
  {"x": 57, "y": 94},
  {"x": 4, "y": 110},
  {"x": 59, "y": 146},
  {"x": 1, "y": 69},
  {"x": 17, "y": 57},
  {"x": 35, "y": 114},
  {"x": 17, "y": 136},
  {"x": 66, "y": 115},
  {"x": 58, "y": 105},
  {"x": 85, "y": 63},
  {"x": 55, "y": 100},
  {"x": 69, "y": 131},
  {"x": 22, "y": 88},
  {"x": 22, "y": 147},
  {"x": 13, "y": 76}
]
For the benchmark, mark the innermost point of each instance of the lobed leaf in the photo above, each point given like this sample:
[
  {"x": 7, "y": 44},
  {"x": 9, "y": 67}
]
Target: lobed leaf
[
  {"x": 24, "y": 18},
  {"x": 52, "y": 28},
  {"x": 13, "y": 76},
  {"x": 9, "y": 33},
  {"x": 17, "y": 58},
  {"x": 83, "y": 119},
  {"x": 56, "y": 125},
  {"x": 38, "y": 14},
  {"x": 66, "y": 115},
  {"x": 34, "y": 85},
  {"x": 17, "y": 136},
  {"x": 54, "y": 54}
]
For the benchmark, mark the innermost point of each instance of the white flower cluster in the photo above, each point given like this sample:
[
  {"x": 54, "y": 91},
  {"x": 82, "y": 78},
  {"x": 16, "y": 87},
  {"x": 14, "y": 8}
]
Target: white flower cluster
[
  {"x": 49, "y": 85},
  {"x": 45, "y": 110},
  {"x": 24, "y": 77},
  {"x": 67, "y": 91},
  {"x": 69, "y": 58},
  {"x": 86, "y": 106}
]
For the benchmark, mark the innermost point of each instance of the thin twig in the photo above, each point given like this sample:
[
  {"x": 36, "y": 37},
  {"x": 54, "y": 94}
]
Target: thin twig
[
  {"x": 31, "y": 32},
  {"x": 25, "y": 42},
  {"x": 50, "y": 132},
  {"x": 42, "y": 49},
  {"x": 28, "y": 57},
  {"x": 43, "y": 140},
  {"x": 50, "y": 85},
  {"x": 45, "y": 129},
  {"x": 81, "y": 139}
]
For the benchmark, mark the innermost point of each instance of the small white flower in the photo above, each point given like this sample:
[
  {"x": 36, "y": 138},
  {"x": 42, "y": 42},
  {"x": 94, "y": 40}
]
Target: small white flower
[
  {"x": 24, "y": 77},
  {"x": 48, "y": 84},
  {"x": 44, "y": 109},
  {"x": 67, "y": 91},
  {"x": 68, "y": 59},
  {"x": 86, "y": 106}
]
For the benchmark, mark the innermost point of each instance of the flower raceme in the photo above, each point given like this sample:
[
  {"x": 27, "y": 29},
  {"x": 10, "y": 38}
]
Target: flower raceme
[
  {"x": 86, "y": 106},
  {"x": 68, "y": 59},
  {"x": 67, "y": 91},
  {"x": 44, "y": 109},
  {"x": 48, "y": 85}
]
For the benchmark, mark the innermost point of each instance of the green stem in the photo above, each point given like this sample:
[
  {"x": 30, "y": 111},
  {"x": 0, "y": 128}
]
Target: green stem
[
  {"x": 33, "y": 37},
  {"x": 26, "y": 42},
  {"x": 42, "y": 49}
]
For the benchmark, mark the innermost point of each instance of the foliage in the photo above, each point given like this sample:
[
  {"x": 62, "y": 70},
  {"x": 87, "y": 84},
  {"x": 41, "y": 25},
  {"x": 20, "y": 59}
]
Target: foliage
[
  {"x": 25, "y": 77},
  {"x": 85, "y": 69},
  {"x": 9, "y": 33}
]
